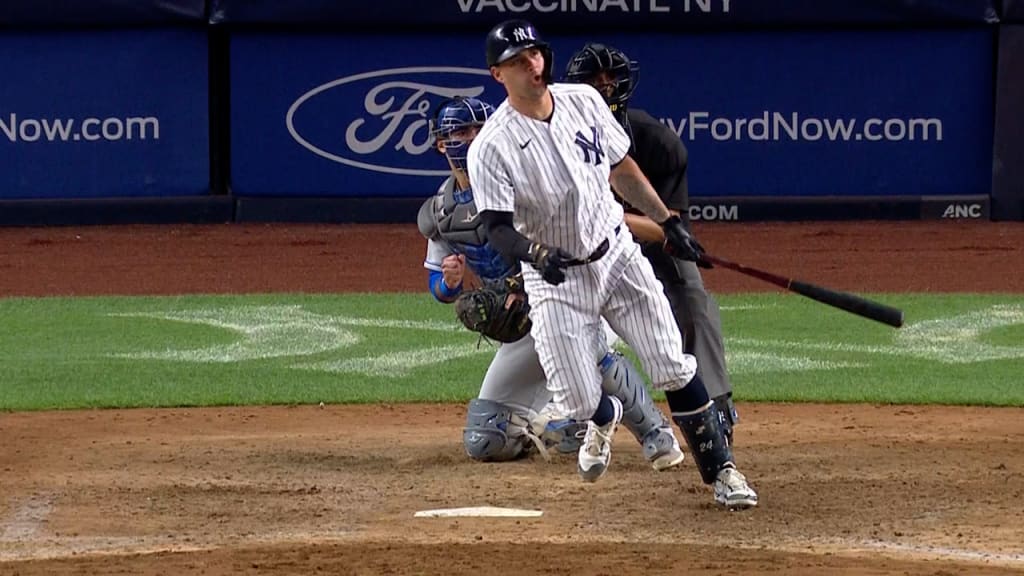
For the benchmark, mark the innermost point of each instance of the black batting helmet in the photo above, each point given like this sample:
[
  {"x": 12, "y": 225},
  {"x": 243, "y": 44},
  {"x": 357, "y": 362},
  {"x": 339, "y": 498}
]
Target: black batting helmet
[
  {"x": 595, "y": 58},
  {"x": 508, "y": 39}
]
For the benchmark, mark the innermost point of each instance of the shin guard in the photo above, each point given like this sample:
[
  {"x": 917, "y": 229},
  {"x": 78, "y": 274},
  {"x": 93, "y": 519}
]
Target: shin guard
[
  {"x": 621, "y": 379},
  {"x": 707, "y": 442}
]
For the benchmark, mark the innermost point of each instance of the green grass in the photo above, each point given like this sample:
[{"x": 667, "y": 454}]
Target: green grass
[{"x": 297, "y": 349}]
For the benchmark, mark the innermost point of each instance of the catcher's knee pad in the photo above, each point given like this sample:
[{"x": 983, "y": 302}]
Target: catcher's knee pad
[
  {"x": 707, "y": 441},
  {"x": 494, "y": 432},
  {"x": 621, "y": 379}
]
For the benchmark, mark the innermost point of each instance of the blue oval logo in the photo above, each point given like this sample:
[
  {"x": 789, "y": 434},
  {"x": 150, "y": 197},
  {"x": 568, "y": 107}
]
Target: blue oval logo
[{"x": 390, "y": 122}]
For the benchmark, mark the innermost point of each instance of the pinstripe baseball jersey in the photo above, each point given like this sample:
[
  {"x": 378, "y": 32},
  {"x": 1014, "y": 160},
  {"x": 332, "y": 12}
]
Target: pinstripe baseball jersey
[{"x": 552, "y": 175}]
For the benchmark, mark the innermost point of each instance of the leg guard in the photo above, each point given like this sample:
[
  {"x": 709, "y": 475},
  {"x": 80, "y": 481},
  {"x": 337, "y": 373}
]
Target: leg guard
[
  {"x": 494, "y": 432},
  {"x": 619, "y": 378},
  {"x": 708, "y": 444},
  {"x": 727, "y": 415}
]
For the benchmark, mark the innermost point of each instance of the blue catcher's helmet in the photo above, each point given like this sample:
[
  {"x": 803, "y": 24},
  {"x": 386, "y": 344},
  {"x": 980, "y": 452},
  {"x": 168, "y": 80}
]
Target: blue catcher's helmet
[{"x": 454, "y": 116}]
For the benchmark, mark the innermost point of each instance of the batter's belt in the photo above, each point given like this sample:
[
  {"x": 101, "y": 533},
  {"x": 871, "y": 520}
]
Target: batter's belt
[{"x": 596, "y": 255}]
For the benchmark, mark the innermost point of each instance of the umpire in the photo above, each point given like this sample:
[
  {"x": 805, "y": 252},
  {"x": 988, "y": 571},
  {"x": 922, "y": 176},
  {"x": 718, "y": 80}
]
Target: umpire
[{"x": 663, "y": 159}]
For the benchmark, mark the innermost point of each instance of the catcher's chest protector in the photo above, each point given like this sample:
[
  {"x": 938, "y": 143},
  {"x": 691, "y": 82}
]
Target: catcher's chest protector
[{"x": 458, "y": 224}]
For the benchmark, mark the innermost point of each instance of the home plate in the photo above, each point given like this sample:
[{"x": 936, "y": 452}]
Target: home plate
[{"x": 478, "y": 511}]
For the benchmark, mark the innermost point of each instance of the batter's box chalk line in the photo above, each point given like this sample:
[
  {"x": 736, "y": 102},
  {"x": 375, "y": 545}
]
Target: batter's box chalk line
[{"x": 478, "y": 512}]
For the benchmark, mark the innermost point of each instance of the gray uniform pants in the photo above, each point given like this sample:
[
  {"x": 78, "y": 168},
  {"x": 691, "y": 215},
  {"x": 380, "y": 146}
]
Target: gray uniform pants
[
  {"x": 697, "y": 315},
  {"x": 515, "y": 377}
]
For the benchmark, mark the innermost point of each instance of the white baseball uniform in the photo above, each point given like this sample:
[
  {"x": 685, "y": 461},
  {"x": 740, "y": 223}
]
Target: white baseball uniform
[
  {"x": 515, "y": 376},
  {"x": 553, "y": 176}
]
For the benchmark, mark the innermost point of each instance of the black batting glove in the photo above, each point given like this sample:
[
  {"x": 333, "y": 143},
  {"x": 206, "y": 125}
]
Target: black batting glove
[
  {"x": 679, "y": 242},
  {"x": 551, "y": 262}
]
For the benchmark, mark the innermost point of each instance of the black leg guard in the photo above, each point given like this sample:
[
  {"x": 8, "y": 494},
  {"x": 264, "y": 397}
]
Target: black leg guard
[
  {"x": 707, "y": 442},
  {"x": 727, "y": 415}
]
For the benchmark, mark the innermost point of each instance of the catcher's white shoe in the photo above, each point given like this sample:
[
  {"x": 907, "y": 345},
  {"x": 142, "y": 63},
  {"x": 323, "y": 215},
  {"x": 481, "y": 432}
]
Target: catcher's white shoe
[
  {"x": 732, "y": 490},
  {"x": 596, "y": 452},
  {"x": 662, "y": 449}
]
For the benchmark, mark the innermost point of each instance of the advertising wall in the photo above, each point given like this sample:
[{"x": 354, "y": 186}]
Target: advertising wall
[
  {"x": 836, "y": 113},
  {"x": 617, "y": 14},
  {"x": 96, "y": 113},
  {"x": 1008, "y": 164},
  {"x": 81, "y": 12}
]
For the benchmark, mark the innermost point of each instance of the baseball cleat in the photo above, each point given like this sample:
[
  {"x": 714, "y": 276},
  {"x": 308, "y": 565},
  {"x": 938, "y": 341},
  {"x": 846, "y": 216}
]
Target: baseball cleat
[
  {"x": 662, "y": 449},
  {"x": 732, "y": 490},
  {"x": 596, "y": 452}
]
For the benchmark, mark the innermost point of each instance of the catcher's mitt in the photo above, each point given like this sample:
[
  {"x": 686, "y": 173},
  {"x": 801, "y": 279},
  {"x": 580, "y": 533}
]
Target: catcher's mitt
[{"x": 483, "y": 310}]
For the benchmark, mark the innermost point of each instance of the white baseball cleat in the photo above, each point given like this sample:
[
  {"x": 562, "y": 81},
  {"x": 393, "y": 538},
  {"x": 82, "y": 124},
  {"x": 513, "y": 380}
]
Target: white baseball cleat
[
  {"x": 596, "y": 452},
  {"x": 732, "y": 490},
  {"x": 662, "y": 449}
]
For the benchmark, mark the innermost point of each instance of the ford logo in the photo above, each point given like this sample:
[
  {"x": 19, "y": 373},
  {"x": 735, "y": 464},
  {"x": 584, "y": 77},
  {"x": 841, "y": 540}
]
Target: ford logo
[{"x": 394, "y": 116}]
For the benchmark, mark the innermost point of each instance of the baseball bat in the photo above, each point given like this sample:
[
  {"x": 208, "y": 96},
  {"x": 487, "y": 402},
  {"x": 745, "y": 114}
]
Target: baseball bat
[{"x": 842, "y": 300}]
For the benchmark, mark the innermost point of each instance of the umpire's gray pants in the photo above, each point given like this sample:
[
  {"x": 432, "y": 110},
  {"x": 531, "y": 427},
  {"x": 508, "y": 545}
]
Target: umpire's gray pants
[{"x": 698, "y": 317}]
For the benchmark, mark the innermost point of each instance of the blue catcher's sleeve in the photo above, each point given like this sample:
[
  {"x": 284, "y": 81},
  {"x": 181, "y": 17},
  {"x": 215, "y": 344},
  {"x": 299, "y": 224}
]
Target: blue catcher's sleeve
[{"x": 440, "y": 290}]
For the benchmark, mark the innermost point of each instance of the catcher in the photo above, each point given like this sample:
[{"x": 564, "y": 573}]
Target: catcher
[{"x": 508, "y": 418}]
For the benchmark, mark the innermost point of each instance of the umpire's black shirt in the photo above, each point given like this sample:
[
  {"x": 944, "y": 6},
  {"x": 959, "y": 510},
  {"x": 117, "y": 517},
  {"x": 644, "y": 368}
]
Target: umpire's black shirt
[{"x": 662, "y": 157}]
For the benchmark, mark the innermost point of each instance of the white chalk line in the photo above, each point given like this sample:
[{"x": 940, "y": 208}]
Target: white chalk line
[
  {"x": 951, "y": 340},
  {"x": 270, "y": 332},
  {"x": 401, "y": 363},
  {"x": 736, "y": 307}
]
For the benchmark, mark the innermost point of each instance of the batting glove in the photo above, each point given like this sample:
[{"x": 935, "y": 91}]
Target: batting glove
[
  {"x": 679, "y": 242},
  {"x": 550, "y": 262}
]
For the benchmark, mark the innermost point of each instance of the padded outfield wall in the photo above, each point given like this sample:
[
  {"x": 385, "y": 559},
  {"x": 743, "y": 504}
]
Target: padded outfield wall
[
  {"x": 314, "y": 110},
  {"x": 1008, "y": 150},
  {"x": 103, "y": 109}
]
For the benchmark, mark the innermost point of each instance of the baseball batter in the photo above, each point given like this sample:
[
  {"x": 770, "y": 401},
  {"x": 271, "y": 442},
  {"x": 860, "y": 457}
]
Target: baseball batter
[
  {"x": 663, "y": 158},
  {"x": 542, "y": 169},
  {"x": 510, "y": 412}
]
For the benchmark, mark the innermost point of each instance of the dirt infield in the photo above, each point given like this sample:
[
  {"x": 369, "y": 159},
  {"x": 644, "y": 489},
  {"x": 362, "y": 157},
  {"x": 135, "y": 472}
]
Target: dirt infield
[{"x": 304, "y": 490}]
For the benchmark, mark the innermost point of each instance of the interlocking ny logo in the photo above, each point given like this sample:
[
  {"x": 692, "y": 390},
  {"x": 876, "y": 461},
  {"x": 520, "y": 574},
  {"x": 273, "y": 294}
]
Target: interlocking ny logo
[
  {"x": 522, "y": 34},
  {"x": 590, "y": 148}
]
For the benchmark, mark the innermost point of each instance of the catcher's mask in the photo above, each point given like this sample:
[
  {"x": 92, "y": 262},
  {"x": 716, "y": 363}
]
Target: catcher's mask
[
  {"x": 590, "y": 61},
  {"x": 450, "y": 126}
]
